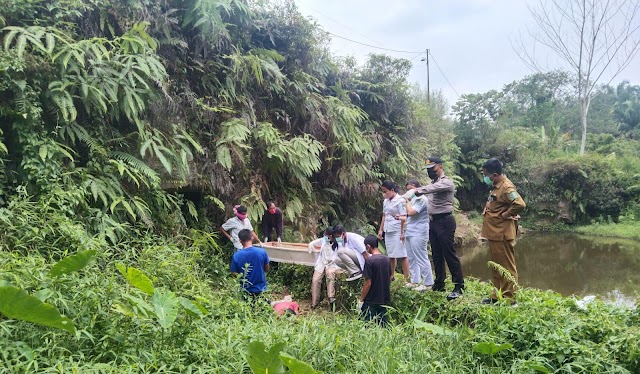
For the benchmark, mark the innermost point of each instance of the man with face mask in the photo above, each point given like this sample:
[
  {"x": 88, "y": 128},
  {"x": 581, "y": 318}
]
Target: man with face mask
[
  {"x": 499, "y": 227},
  {"x": 442, "y": 227},
  {"x": 324, "y": 266},
  {"x": 349, "y": 252}
]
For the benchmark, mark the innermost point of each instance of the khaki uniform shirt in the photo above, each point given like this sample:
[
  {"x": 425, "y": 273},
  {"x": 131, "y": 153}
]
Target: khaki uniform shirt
[
  {"x": 502, "y": 198},
  {"x": 440, "y": 195}
]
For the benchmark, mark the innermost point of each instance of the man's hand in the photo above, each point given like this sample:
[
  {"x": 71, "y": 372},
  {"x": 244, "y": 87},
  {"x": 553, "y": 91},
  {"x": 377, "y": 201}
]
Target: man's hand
[
  {"x": 507, "y": 215},
  {"x": 380, "y": 234},
  {"x": 359, "y": 305},
  {"x": 401, "y": 237},
  {"x": 309, "y": 248}
]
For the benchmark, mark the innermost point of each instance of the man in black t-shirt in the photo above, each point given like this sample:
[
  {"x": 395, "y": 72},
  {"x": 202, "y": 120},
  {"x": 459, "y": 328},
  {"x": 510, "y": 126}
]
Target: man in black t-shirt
[{"x": 376, "y": 291}]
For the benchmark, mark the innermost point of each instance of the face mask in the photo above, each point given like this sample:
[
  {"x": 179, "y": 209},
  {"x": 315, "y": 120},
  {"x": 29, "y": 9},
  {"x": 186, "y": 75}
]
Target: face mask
[
  {"x": 241, "y": 216},
  {"x": 432, "y": 173},
  {"x": 326, "y": 240},
  {"x": 487, "y": 181},
  {"x": 272, "y": 211},
  {"x": 339, "y": 240}
]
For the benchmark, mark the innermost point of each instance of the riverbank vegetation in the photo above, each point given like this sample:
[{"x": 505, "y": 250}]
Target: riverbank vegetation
[
  {"x": 167, "y": 305},
  {"x": 129, "y": 128}
]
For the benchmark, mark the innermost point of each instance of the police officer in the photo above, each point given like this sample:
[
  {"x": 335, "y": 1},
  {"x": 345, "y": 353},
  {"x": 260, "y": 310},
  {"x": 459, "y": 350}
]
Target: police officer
[
  {"x": 499, "y": 227},
  {"x": 442, "y": 227}
]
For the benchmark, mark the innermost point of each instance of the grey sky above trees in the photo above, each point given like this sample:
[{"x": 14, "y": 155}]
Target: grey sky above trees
[{"x": 470, "y": 40}]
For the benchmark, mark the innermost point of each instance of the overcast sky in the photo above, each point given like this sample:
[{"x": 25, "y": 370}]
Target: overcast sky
[{"x": 469, "y": 39}]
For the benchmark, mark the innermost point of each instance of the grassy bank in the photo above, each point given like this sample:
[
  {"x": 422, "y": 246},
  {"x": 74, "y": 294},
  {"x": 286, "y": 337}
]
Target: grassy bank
[
  {"x": 119, "y": 329},
  {"x": 629, "y": 230}
]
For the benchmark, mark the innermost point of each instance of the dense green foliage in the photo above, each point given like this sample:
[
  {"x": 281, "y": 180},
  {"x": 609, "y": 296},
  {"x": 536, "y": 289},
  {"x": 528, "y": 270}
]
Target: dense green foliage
[
  {"x": 193, "y": 320},
  {"x": 530, "y": 125},
  {"x": 128, "y": 128}
]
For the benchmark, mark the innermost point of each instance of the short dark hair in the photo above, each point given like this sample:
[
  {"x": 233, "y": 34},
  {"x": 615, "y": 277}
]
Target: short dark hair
[
  {"x": 413, "y": 182},
  {"x": 371, "y": 240},
  {"x": 338, "y": 230},
  {"x": 271, "y": 202},
  {"x": 244, "y": 235},
  {"x": 493, "y": 165},
  {"x": 241, "y": 209},
  {"x": 328, "y": 231},
  {"x": 389, "y": 185}
]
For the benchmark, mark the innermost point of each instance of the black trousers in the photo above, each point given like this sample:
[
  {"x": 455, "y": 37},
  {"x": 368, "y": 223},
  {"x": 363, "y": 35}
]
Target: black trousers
[
  {"x": 443, "y": 248},
  {"x": 374, "y": 312}
]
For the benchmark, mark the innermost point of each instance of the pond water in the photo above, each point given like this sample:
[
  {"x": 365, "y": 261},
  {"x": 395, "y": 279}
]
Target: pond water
[{"x": 569, "y": 264}]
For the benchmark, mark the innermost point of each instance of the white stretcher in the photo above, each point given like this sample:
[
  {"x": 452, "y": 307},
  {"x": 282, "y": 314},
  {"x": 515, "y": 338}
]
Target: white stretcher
[{"x": 291, "y": 253}]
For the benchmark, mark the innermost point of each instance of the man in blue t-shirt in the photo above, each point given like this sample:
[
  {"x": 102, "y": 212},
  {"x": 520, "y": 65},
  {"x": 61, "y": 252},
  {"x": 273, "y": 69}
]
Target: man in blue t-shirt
[{"x": 252, "y": 262}]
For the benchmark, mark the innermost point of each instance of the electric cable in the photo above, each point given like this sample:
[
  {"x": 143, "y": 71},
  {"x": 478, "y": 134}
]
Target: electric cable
[{"x": 443, "y": 74}]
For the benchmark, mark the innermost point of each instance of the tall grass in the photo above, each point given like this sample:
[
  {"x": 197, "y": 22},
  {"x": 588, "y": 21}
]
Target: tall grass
[
  {"x": 629, "y": 230},
  {"x": 546, "y": 333}
]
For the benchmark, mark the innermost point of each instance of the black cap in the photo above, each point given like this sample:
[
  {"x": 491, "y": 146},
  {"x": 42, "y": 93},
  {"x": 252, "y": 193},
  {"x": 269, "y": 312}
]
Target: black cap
[{"x": 433, "y": 161}]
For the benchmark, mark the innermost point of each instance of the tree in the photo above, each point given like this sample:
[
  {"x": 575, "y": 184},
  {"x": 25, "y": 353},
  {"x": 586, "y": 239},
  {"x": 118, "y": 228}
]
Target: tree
[{"x": 593, "y": 38}]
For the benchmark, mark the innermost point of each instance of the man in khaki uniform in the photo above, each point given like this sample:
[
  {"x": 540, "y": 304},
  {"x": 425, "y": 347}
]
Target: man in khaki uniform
[{"x": 499, "y": 227}]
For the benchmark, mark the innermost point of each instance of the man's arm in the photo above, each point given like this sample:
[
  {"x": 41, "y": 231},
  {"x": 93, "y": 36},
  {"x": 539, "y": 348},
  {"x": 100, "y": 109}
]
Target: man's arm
[
  {"x": 517, "y": 203},
  {"x": 267, "y": 267},
  {"x": 409, "y": 208},
  {"x": 360, "y": 247},
  {"x": 235, "y": 269},
  {"x": 255, "y": 237},
  {"x": 443, "y": 184},
  {"x": 365, "y": 289},
  {"x": 279, "y": 223},
  {"x": 225, "y": 233},
  {"x": 265, "y": 226}
]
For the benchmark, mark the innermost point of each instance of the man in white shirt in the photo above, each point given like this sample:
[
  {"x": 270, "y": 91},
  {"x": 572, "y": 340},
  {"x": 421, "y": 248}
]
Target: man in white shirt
[
  {"x": 324, "y": 266},
  {"x": 350, "y": 252},
  {"x": 232, "y": 227}
]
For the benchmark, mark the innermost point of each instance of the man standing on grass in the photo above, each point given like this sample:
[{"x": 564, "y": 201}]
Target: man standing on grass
[
  {"x": 252, "y": 262},
  {"x": 376, "y": 291},
  {"x": 442, "y": 227},
  {"x": 499, "y": 227}
]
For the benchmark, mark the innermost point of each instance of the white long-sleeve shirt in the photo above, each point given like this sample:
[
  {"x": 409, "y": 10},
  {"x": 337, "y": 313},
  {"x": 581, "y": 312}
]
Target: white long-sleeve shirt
[{"x": 325, "y": 258}]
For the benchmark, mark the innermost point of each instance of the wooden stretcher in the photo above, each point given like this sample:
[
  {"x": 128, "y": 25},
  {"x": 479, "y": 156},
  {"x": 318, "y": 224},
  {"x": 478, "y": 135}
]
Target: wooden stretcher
[{"x": 291, "y": 253}]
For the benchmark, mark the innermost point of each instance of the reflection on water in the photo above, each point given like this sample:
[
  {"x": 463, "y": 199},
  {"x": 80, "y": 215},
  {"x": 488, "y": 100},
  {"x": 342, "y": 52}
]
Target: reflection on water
[{"x": 568, "y": 264}]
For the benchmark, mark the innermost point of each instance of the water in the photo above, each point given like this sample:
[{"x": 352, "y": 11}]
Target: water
[{"x": 570, "y": 265}]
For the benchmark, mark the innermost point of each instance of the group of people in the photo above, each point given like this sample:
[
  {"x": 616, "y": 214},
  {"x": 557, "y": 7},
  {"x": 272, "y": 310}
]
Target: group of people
[{"x": 423, "y": 214}]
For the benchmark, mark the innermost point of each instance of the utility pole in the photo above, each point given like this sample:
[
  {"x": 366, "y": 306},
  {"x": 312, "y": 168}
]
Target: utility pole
[{"x": 428, "y": 88}]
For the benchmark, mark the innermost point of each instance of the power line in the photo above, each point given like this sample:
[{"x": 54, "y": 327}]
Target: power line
[
  {"x": 445, "y": 77},
  {"x": 372, "y": 46},
  {"x": 413, "y": 59},
  {"x": 338, "y": 22}
]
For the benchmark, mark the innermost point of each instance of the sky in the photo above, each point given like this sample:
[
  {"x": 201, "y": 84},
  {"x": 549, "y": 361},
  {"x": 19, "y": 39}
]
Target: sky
[{"x": 471, "y": 40}]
